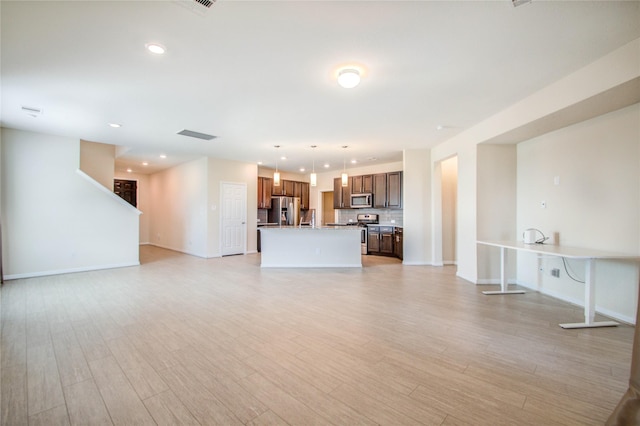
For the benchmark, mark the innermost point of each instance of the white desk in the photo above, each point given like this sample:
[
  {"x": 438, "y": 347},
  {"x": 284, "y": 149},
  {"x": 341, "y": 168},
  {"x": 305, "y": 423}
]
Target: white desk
[{"x": 588, "y": 255}]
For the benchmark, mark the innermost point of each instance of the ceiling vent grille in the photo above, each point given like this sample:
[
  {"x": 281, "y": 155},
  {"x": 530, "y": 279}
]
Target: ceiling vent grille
[
  {"x": 197, "y": 6},
  {"x": 32, "y": 111},
  {"x": 197, "y": 135}
]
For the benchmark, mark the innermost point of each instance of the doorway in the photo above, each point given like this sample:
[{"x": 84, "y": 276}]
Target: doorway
[
  {"x": 449, "y": 182},
  {"x": 233, "y": 223},
  {"x": 127, "y": 190},
  {"x": 328, "y": 214}
]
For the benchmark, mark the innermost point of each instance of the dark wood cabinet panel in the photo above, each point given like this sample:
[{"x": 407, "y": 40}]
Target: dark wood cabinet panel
[
  {"x": 361, "y": 184},
  {"x": 289, "y": 188},
  {"x": 367, "y": 184},
  {"x": 277, "y": 190},
  {"x": 373, "y": 244},
  {"x": 380, "y": 190},
  {"x": 381, "y": 240},
  {"x": 398, "y": 245},
  {"x": 394, "y": 190},
  {"x": 341, "y": 195},
  {"x": 304, "y": 196},
  {"x": 265, "y": 189}
]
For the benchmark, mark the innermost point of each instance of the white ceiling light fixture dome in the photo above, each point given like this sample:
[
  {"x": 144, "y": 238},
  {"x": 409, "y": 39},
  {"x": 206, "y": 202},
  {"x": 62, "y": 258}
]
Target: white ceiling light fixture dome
[
  {"x": 349, "y": 78},
  {"x": 156, "y": 48}
]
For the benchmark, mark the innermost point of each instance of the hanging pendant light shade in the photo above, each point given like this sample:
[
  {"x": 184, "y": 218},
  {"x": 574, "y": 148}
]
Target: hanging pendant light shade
[
  {"x": 276, "y": 174},
  {"x": 344, "y": 176},
  {"x": 313, "y": 178}
]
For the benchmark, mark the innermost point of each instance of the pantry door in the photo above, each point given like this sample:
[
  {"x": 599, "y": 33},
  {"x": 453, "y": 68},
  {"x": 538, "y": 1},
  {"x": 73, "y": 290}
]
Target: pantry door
[{"x": 234, "y": 218}]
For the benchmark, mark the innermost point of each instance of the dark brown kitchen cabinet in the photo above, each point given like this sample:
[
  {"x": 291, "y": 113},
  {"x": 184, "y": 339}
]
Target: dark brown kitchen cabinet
[
  {"x": 265, "y": 188},
  {"x": 394, "y": 190},
  {"x": 380, "y": 240},
  {"x": 398, "y": 243},
  {"x": 362, "y": 184},
  {"x": 304, "y": 196},
  {"x": 277, "y": 190},
  {"x": 289, "y": 188},
  {"x": 380, "y": 190},
  {"x": 341, "y": 195}
]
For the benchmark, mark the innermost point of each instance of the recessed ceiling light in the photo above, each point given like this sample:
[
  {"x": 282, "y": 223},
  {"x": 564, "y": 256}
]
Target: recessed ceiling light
[
  {"x": 145, "y": 163},
  {"x": 302, "y": 169},
  {"x": 155, "y": 48},
  {"x": 326, "y": 166},
  {"x": 163, "y": 156},
  {"x": 129, "y": 170},
  {"x": 439, "y": 127},
  {"x": 115, "y": 125},
  {"x": 259, "y": 163},
  {"x": 354, "y": 161},
  {"x": 283, "y": 158}
]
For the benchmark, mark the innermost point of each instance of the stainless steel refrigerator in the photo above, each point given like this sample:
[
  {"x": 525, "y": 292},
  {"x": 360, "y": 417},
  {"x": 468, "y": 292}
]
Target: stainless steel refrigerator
[{"x": 285, "y": 211}]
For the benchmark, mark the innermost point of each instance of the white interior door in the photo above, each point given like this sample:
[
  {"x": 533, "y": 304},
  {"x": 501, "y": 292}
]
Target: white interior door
[{"x": 234, "y": 218}]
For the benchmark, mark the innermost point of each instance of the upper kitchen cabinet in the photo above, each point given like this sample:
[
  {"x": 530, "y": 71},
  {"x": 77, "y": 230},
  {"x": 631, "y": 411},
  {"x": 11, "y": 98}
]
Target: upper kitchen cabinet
[
  {"x": 341, "y": 195},
  {"x": 394, "y": 190},
  {"x": 278, "y": 190},
  {"x": 304, "y": 196},
  {"x": 387, "y": 190},
  {"x": 362, "y": 184},
  {"x": 380, "y": 191},
  {"x": 265, "y": 188}
]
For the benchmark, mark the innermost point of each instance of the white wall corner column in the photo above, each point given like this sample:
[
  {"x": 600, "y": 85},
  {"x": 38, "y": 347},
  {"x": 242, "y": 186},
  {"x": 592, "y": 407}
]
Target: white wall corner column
[{"x": 417, "y": 209}]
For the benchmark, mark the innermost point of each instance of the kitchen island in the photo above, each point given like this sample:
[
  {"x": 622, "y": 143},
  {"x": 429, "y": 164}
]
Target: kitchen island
[{"x": 306, "y": 247}]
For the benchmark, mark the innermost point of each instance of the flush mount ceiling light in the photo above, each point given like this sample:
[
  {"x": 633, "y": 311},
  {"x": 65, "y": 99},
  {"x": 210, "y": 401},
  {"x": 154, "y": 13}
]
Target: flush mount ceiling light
[
  {"x": 155, "y": 48},
  {"x": 115, "y": 125},
  {"x": 349, "y": 78}
]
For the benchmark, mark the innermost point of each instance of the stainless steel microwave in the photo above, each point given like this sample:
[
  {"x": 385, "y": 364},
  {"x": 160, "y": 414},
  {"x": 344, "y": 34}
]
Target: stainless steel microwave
[{"x": 361, "y": 201}]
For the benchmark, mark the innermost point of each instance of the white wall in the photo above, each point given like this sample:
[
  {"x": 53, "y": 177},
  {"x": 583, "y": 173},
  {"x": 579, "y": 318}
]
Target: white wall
[
  {"x": 416, "y": 205},
  {"x": 178, "y": 204},
  {"x": 98, "y": 161},
  {"x": 54, "y": 220},
  {"x": 449, "y": 173},
  {"x": 595, "y": 205},
  {"x": 144, "y": 202},
  {"x": 231, "y": 172},
  {"x": 496, "y": 207}
]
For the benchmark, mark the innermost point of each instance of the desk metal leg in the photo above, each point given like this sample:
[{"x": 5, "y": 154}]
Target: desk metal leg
[
  {"x": 503, "y": 277},
  {"x": 589, "y": 301}
]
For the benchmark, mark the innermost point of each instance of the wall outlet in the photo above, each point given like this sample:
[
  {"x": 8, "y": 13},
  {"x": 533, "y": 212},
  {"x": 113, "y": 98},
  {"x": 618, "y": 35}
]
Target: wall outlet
[{"x": 555, "y": 272}]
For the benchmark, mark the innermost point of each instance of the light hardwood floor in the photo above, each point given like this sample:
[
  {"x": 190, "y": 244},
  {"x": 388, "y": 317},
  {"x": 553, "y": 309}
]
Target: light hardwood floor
[{"x": 184, "y": 340}]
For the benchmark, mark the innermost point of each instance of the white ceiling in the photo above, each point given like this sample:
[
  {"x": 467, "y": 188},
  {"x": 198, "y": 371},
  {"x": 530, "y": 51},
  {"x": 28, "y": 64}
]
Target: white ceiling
[{"x": 259, "y": 74}]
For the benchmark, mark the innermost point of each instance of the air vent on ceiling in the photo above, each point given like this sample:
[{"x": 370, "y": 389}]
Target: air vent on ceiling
[
  {"x": 198, "y": 6},
  {"x": 517, "y": 3},
  {"x": 198, "y": 135},
  {"x": 32, "y": 111}
]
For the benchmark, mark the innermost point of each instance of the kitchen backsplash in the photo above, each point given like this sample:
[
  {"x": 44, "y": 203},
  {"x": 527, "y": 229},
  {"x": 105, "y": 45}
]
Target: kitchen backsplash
[{"x": 384, "y": 216}]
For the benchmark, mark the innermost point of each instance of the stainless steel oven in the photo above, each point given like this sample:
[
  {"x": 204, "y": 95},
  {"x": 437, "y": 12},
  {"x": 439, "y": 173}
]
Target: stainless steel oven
[
  {"x": 364, "y": 220},
  {"x": 364, "y": 240}
]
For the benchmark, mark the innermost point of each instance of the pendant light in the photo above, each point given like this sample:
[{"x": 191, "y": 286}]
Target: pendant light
[
  {"x": 313, "y": 178},
  {"x": 276, "y": 174},
  {"x": 344, "y": 176}
]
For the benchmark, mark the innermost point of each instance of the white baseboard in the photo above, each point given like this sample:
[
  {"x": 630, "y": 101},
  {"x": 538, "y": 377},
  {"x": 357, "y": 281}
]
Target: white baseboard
[
  {"x": 410, "y": 263},
  {"x": 180, "y": 250},
  {"x": 68, "y": 271},
  {"x": 580, "y": 303}
]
